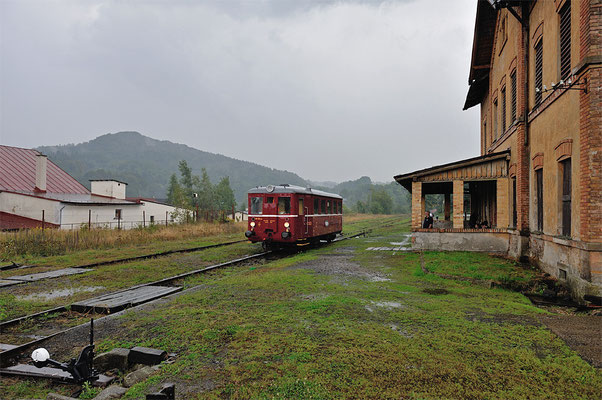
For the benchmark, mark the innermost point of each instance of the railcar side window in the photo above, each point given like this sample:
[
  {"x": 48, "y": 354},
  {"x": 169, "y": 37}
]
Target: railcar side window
[
  {"x": 284, "y": 205},
  {"x": 256, "y": 205},
  {"x": 328, "y": 207},
  {"x": 316, "y": 206},
  {"x": 301, "y": 208},
  {"x": 323, "y": 208}
]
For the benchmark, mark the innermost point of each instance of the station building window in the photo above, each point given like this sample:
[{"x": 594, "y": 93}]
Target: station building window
[
  {"x": 539, "y": 197},
  {"x": 538, "y": 71},
  {"x": 565, "y": 167},
  {"x": 565, "y": 40},
  {"x": 494, "y": 120},
  {"x": 118, "y": 213},
  {"x": 503, "y": 117},
  {"x": 513, "y": 96}
]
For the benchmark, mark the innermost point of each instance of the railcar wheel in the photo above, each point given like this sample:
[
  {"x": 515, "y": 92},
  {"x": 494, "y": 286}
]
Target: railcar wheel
[{"x": 266, "y": 246}]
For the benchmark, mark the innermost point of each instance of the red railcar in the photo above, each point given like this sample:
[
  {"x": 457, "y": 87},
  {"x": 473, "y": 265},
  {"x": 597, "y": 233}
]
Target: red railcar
[{"x": 293, "y": 215}]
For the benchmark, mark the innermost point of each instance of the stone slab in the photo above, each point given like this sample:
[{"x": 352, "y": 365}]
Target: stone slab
[
  {"x": 48, "y": 275},
  {"x": 112, "y": 392},
  {"x": 116, "y": 358},
  {"x": 103, "y": 381},
  {"x": 147, "y": 356},
  {"x": 137, "y": 376},
  {"x": 56, "y": 396},
  {"x": 114, "y": 302}
]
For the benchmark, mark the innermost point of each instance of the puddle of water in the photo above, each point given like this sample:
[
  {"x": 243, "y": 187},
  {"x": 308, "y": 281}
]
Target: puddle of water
[
  {"x": 53, "y": 294},
  {"x": 379, "y": 279},
  {"x": 402, "y": 332},
  {"x": 387, "y": 304}
]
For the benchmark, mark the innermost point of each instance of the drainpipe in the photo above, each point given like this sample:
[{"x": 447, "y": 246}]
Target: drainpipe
[
  {"x": 525, "y": 24},
  {"x": 61, "y": 216}
]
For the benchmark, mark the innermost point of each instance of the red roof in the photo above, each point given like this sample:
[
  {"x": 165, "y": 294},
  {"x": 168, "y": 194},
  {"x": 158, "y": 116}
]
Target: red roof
[
  {"x": 18, "y": 173},
  {"x": 12, "y": 221}
]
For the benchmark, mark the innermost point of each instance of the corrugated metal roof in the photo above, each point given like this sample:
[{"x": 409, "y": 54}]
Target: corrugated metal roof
[{"x": 18, "y": 173}]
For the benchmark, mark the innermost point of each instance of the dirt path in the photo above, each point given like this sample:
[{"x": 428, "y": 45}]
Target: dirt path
[{"x": 581, "y": 333}]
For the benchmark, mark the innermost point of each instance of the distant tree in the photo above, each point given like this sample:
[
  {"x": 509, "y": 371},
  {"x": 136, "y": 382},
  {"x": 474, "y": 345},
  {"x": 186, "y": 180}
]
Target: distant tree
[
  {"x": 186, "y": 178},
  {"x": 177, "y": 198},
  {"x": 176, "y": 195},
  {"x": 361, "y": 207},
  {"x": 207, "y": 198},
  {"x": 224, "y": 195},
  {"x": 380, "y": 202}
]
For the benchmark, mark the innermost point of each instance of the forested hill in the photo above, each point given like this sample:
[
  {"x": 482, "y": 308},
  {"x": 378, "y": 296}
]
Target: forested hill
[{"x": 146, "y": 164}]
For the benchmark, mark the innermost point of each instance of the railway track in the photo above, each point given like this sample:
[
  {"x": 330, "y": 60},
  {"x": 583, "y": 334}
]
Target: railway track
[{"x": 26, "y": 332}]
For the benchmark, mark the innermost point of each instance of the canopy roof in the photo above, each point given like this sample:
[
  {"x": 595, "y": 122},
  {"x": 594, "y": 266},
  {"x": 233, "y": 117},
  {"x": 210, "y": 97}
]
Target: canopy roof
[{"x": 490, "y": 166}]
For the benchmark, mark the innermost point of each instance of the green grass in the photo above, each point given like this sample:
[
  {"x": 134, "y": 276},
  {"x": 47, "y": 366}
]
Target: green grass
[
  {"x": 285, "y": 330},
  {"x": 110, "y": 278}
]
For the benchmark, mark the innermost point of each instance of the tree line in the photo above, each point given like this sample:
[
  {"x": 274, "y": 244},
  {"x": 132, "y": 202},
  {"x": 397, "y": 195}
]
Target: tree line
[{"x": 198, "y": 194}]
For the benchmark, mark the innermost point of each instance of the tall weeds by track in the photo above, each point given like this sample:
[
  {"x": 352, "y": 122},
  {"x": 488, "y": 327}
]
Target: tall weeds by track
[{"x": 49, "y": 242}]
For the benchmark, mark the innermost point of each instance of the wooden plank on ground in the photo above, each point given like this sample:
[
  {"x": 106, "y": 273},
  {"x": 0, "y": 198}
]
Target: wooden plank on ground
[
  {"x": 47, "y": 275},
  {"x": 4, "y": 282},
  {"x": 32, "y": 371},
  {"x": 114, "y": 302},
  {"x": 5, "y": 346}
]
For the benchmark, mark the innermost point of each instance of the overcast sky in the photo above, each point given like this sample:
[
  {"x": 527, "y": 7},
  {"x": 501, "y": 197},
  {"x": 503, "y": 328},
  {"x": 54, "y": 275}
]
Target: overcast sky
[{"x": 328, "y": 90}]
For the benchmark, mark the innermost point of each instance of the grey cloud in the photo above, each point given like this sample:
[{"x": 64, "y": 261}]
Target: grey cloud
[{"x": 330, "y": 90}]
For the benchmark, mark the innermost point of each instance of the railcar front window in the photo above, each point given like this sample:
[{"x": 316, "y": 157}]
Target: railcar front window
[
  {"x": 284, "y": 205},
  {"x": 301, "y": 208},
  {"x": 256, "y": 205}
]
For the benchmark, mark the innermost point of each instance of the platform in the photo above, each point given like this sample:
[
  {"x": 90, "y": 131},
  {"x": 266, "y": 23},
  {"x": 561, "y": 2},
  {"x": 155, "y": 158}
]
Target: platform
[{"x": 114, "y": 302}]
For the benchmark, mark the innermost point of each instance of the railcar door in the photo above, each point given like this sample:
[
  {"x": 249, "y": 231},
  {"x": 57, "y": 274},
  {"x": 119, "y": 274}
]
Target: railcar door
[
  {"x": 303, "y": 217},
  {"x": 270, "y": 212}
]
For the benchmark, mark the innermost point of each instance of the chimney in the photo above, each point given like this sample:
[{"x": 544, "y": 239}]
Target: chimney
[{"x": 41, "y": 161}]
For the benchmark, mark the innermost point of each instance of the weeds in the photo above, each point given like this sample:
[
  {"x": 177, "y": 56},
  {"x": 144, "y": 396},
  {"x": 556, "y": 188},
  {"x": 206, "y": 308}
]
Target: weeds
[{"x": 51, "y": 242}]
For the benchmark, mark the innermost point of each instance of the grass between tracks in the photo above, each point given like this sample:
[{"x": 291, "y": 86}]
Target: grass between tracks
[
  {"x": 19, "y": 300},
  {"x": 347, "y": 322}
]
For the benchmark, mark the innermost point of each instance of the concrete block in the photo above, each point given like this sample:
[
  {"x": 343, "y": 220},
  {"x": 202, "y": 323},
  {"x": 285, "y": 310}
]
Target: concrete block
[
  {"x": 147, "y": 356},
  {"x": 112, "y": 392},
  {"x": 103, "y": 381},
  {"x": 116, "y": 358},
  {"x": 137, "y": 376},
  {"x": 56, "y": 396}
]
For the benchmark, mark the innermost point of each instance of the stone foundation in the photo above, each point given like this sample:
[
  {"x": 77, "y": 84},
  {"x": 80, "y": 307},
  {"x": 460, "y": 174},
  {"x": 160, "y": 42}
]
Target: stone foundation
[
  {"x": 577, "y": 263},
  {"x": 489, "y": 241}
]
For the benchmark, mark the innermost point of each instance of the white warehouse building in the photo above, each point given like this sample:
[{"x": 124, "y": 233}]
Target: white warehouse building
[{"x": 35, "y": 192}]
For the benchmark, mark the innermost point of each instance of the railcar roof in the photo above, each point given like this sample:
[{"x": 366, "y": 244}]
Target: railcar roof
[{"x": 292, "y": 189}]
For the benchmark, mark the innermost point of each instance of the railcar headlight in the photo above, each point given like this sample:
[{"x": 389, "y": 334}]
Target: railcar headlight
[
  {"x": 252, "y": 224},
  {"x": 286, "y": 224}
]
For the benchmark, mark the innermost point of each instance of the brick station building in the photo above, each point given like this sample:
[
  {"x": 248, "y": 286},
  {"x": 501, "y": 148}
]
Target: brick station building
[{"x": 536, "y": 190}]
